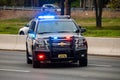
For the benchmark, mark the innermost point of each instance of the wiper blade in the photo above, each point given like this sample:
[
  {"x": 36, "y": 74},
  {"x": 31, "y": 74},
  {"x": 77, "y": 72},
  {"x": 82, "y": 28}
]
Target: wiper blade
[
  {"x": 44, "y": 32},
  {"x": 64, "y": 32}
]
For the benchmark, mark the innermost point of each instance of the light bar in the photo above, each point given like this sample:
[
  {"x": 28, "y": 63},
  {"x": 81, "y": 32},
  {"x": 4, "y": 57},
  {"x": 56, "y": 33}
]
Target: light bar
[
  {"x": 55, "y": 37},
  {"x": 63, "y": 17},
  {"x": 54, "y": 17},
  {"x": 68, "y": 38},
  {"x": 46, "y": 17},
  {"x": 32, "y": 35}
]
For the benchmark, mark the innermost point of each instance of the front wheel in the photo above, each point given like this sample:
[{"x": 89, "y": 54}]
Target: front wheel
[
  {"x": 35, "y": 64},
  {"x": 83, "y": 61},
  {"x": 29, "y": 61}
]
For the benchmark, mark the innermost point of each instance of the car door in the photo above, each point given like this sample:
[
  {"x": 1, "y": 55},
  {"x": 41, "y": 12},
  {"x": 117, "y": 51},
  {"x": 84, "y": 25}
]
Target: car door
[{"x": 29, "y": 38}]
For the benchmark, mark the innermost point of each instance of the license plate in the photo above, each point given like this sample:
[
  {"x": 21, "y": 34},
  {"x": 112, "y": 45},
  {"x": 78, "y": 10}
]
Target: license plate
[{"x": 62, "y": 55}]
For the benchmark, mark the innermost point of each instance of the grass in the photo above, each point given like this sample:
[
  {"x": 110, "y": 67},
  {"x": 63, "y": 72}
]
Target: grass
[
  {"x": 110, "y": 26},
  {"x": 11, "y": 26}
]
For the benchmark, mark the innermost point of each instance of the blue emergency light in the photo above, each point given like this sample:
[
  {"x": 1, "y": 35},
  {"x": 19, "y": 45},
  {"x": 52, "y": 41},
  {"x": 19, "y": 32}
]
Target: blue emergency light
[
  {"x": 32, "y": 35},
  {"x": 46, "y": 17},
  {"x": 55, "y": 38}
]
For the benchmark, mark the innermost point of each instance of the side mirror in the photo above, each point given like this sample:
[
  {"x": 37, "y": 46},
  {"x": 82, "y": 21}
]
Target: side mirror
[
  {"x": 31, "y": 34},
  {"x": 79, "y": 26},
  {"x": 83, "y": 30},
  {"x": 77, "y": 31}
]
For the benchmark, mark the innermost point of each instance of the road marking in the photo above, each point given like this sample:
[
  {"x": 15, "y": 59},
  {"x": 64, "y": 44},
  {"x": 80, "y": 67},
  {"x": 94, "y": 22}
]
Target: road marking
[
  {"x": 14, "y": 70},
  {"x": 100, "y": 65}
]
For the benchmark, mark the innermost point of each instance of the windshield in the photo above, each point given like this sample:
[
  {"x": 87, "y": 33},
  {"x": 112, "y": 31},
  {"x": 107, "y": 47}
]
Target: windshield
[
  {"x": 56, "y": 27},
  {"x": 50, "y": 6}
]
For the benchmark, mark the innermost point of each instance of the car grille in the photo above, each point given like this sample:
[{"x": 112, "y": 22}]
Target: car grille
[{"x": 61, "y": 46}]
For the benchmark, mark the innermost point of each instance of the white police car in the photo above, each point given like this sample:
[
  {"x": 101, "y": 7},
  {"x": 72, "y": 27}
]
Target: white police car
[
  {"x": 55, "y": 39},
  {"x": 24, "y": 29}
]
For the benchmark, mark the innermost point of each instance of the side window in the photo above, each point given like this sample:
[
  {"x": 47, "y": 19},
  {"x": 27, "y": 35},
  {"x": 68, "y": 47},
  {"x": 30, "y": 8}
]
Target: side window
[{"x": 32, "y": 26}]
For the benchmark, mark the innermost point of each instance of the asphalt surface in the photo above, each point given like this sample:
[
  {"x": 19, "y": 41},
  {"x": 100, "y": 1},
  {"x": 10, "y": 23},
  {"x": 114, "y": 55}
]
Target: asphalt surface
[{"x": 13, "y": 67}]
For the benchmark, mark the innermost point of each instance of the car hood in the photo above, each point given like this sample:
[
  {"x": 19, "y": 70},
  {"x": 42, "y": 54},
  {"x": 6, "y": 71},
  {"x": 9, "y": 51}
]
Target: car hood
[{"x": 58, "y": 35}]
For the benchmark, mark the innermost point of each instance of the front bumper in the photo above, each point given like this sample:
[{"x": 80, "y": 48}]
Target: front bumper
[{"x": 72, "y": 56}]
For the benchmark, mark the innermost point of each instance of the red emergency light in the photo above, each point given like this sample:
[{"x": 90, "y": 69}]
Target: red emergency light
[{"x": 41, "y": 56}]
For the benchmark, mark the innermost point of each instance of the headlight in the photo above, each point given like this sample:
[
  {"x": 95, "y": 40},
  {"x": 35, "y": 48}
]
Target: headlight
[
  {"x": 39, "y": 44},
  {"x": 80, "y": 43}
]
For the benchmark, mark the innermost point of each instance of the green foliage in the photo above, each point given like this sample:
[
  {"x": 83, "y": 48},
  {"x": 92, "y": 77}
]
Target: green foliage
[
  {"x": 114, "y": 4},
  {"x": 111, "y": 27},
  {"x": 11, "y": 26},
  {"x": 3, "y": 2},
  {"x": 76, "y": 3},
  {"x": 102, "y": 33},
  {"x": 11, "y": 2}
]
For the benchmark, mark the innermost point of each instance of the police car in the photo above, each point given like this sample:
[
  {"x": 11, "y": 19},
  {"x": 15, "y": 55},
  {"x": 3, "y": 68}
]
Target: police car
[
  {"x": 55, "y": 39},
  {"x": 24, "y": 29}
]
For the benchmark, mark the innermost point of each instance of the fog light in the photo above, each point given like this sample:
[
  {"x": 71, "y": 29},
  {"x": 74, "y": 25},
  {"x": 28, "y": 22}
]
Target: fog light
[{"x": 82, "y": 55}]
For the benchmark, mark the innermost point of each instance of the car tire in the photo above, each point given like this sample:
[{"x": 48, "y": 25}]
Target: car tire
[
  {"x": 29, "y": 61},
  {"x": 36, "y": 64},
  {"x": 22, "y": 33},
  {"x": 83, "y": 61}
]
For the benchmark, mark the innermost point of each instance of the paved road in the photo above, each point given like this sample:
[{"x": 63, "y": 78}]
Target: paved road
[{"x": 13, "y": 67}]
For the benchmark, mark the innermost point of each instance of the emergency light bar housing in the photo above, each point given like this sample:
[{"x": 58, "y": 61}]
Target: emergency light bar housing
[{"x": 54, "y": 17}]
